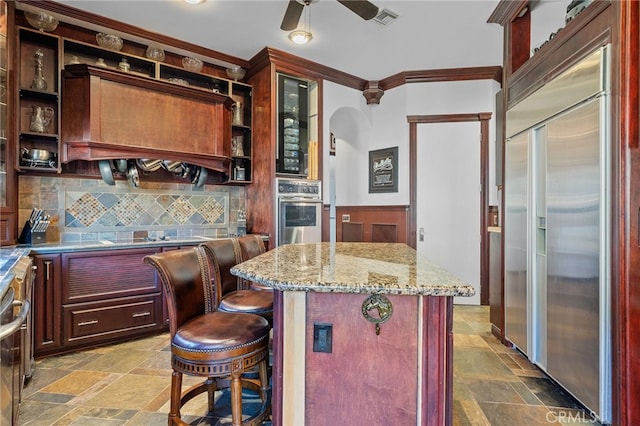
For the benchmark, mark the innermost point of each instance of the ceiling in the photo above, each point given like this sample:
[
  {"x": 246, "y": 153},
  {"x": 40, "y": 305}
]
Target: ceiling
[{"x": 429, "y": 34}]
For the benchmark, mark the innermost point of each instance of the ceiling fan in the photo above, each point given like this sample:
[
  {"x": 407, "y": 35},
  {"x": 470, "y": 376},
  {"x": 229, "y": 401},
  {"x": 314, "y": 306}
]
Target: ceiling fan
[{"x": 365, "y": 9}]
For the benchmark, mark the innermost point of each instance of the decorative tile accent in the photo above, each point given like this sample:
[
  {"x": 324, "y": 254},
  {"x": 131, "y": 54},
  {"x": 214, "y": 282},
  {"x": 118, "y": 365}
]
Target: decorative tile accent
[
  {"x": 99, "y": 209},
  {"x": 85, "y": 210},
  {"x": 90, "y": 210}
]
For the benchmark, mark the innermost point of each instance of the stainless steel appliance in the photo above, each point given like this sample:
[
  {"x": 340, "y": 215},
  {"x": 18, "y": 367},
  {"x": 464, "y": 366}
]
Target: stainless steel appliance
[
  {"x": 557, "y": 249},
  {"x": 11, "y": 355},
  {"x": 299, "y": 211}
]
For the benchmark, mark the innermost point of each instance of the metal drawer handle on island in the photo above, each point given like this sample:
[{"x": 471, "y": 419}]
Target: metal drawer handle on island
[
  {"x": 141, "y": 314},
  {"x": 92, "y": 322},
  {"x": 13, "y": 326}
]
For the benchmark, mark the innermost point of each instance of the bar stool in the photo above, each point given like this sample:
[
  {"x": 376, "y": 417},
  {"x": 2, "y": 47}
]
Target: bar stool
[
  {"x": 220, "y": 346},
  {"x": 233, "y": 296},
  {"x": 251, "y": 246}
]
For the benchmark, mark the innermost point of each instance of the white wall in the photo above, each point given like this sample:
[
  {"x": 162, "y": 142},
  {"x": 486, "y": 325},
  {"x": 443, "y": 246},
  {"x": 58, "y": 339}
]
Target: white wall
[
  {"x": 360, "y": 128},
  {"x": 350, "y": 122}
]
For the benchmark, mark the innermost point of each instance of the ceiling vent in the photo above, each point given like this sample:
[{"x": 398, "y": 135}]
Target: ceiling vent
[{"x": 385, "y": 17}]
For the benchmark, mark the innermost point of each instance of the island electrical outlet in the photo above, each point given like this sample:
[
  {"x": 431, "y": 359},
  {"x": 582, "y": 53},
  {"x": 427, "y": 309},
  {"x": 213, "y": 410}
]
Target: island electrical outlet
[{"x": 322, "y": 337}]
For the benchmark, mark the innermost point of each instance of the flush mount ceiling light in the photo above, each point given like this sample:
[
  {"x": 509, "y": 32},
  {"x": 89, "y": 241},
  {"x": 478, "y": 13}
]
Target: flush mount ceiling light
[
  {"x": 194, "y": 1},
  {"x": 303, "y": 36}
]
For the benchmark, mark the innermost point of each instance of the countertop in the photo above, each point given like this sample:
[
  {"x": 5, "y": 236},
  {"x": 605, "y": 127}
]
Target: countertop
[
  {"x": 73, "y": 246},
  {"x": 9, "y": 256},
  {"x": 380, "y": 268}
]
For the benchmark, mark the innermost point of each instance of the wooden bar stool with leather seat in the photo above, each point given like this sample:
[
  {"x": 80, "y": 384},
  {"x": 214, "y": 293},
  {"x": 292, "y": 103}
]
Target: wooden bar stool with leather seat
[
  {"x": 251, "y": 246},
  {"x": 205, "y": 342},
  {"x": 234, "y": 297}
]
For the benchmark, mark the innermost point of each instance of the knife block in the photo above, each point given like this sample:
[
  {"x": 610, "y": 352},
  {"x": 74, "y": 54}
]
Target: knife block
[{"x": 29, "y": 236}]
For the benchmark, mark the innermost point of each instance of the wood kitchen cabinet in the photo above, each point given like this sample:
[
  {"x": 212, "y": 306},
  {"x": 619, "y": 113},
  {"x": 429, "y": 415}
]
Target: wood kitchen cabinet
[
  {"x": 47, "y": 304},
  {"x": 88, "y": 298},
  {"x": 39, "y": 109},
  {"x": 73, "y": 103},
  {"x": 108, "y": 295},
  {"x": 100, "y": 123},
  {"x": 263, "y": 77},
  {"x": 496, "y": 293},
  {"x": 8, "y": 178},
  {"x": 241, "y": 143}
]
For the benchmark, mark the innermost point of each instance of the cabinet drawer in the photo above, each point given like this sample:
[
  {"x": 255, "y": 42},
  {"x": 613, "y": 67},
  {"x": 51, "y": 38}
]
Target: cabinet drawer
[{"x": 94, "y": 321}]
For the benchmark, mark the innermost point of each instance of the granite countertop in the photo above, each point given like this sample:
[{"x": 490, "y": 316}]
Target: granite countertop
[
  {"x": 381, "y": 268},
  {"x": 9, "y": 256},
  {"x": 72, "y": 246}
]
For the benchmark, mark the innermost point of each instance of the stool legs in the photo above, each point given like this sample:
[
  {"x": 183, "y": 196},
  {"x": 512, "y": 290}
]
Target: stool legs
[
  {"x": 236, "y": 399},
  {"x": 176, "y": 391},
  {"x": 263, "y": 373},
  {"x": 212, "y": 386}
]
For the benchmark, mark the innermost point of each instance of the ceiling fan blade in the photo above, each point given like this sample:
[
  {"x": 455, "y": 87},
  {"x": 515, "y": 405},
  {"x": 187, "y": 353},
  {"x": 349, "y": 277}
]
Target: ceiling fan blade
[
  {"x": 292, "y": 16},
  {"x": 365, "y": 9}
]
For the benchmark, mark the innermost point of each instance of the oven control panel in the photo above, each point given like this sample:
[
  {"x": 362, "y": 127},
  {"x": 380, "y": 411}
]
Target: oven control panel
[{"x": 298, "y": 187}]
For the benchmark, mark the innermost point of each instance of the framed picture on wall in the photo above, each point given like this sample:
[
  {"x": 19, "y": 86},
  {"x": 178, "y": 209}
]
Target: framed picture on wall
[
  {"x": 383, "y": 170},
  {"x": 332, "y": 145}
]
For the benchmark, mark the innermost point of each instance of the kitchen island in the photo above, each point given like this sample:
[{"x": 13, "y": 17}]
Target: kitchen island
[{"x": 362, "y": 333}]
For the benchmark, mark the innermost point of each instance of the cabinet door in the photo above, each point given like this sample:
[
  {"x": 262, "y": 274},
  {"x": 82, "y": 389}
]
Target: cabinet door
[
  {"x": 8, "y": 187},
  {"x": 293, "y": 126},
  {"x": 47, "y": 303},
  {"x": 106, "y": 275}
]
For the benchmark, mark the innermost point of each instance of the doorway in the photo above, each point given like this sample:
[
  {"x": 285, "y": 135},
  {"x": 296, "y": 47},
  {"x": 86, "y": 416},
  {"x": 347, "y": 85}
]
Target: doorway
[{"x": 456, "y": 208}]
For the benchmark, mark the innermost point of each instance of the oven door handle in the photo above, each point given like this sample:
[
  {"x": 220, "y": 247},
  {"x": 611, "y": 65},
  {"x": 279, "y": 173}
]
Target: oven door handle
[
  {"x": 300, "y": 200},
  {"x": 8, "y": 329}
]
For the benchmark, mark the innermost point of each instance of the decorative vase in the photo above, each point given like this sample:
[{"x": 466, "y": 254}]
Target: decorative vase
[
  {"x": 39, "y": 83},
  {"x": 237, "y": 114}
]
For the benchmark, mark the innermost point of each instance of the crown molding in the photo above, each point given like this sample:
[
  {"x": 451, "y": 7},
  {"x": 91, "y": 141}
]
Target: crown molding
[
  {"x": 507, "y": 10},
  {"x": 445, "y": 74}
]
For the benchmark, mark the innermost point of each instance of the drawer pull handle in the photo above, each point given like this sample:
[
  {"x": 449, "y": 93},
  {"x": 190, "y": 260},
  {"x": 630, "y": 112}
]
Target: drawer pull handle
[
  {"x": 92, "y": 322},
  {"x": 141, "y": 314}
]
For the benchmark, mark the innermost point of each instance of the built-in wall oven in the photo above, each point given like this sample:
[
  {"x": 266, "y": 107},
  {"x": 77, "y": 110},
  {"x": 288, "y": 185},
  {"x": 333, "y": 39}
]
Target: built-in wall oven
[{"x": 298, "y": 211}]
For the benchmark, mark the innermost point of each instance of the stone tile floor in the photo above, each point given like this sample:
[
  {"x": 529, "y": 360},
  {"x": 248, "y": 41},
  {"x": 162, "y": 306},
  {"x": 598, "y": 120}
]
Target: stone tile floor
[{"x": 128, "y": 384}]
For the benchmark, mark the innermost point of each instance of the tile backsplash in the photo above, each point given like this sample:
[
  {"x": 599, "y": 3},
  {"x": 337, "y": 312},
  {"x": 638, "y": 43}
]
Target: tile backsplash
[{"x": 89, "y": 209}]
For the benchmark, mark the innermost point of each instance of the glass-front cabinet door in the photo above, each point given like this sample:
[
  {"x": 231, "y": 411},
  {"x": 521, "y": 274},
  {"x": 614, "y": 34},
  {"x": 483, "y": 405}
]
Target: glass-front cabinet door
[
  {"x": 293, "y": 126},
  {"x": 8, "y": 187}
]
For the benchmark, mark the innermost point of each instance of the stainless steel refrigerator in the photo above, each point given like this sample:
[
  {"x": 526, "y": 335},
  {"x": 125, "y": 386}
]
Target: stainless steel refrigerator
[{"x": 557, "y": 225}]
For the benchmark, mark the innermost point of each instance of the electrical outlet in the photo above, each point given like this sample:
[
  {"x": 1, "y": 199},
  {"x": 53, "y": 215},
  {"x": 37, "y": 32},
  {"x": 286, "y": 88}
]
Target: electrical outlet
[{"x": 322, "y": 337}]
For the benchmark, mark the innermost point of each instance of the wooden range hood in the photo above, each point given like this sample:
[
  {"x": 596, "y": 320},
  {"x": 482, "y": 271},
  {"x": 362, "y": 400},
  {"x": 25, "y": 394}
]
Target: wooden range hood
[{"x": 108, "y": 114}]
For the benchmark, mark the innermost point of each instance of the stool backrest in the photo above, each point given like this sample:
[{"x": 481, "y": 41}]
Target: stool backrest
[
  {"x": 223, "y": 255},
  {"x": 185, "y": 277},
  {"x": 251, "y": 246}
]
